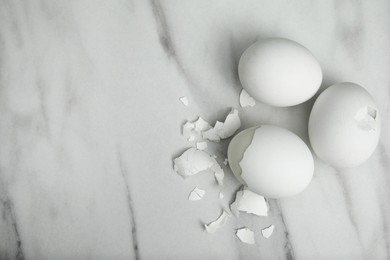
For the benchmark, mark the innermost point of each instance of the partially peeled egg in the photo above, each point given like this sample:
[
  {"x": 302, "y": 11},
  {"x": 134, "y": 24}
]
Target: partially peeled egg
[
  {"x": 344, "y": 125},
  {"x": 271, "y": 161}
]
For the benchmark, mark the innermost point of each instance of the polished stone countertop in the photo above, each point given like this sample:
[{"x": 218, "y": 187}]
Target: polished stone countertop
[{"x": 91, "y": 120}]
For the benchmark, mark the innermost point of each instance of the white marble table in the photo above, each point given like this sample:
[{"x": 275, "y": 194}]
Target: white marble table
[{"x": 90, "y": 122}]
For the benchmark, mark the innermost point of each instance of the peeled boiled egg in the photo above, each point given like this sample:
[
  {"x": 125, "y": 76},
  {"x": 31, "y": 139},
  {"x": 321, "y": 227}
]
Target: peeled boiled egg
[
  {"x": 271, "y": 161},
  {"x": 279, "y": 72},
  {"x": 344, "y": 125}
]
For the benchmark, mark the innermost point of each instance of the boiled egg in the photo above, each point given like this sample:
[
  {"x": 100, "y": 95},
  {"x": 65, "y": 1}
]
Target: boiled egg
[
  {"x": 344, "y": 125},
  {"x": 279, "y": 72},
  {"x": 271, "y": 161}
]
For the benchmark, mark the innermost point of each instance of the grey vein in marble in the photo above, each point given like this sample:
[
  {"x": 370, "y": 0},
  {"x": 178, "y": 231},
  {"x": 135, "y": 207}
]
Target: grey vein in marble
[
  {"x": 8, "y": 210},
  {"x": 133, "y": 223}
]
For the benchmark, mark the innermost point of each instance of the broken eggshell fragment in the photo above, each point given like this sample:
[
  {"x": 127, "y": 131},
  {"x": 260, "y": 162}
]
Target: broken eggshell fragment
[
  {"x": 246, "y": 100},
  {"x": 271, "y": 161},
  {"x": 196, "y": 194},
  {"x": 184, "y": 100},
  {"x": 267, "y": 232},
  {"x": 223, "y": 130},
  {"x": 213, "y": 226},
  {"x": 344, "y": 125},
  {"x": 194, "y": 161},
  {"x": 202, "y": 130},
  {"x": 249, "y": 202},
  {"x": 246, "y": 235}
]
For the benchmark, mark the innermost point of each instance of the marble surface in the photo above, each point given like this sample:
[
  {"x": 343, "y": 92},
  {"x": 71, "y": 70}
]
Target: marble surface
[{"x": 90, "y": 122}]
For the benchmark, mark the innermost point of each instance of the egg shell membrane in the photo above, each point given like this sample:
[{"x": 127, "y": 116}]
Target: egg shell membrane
[{"x": 240, "y": 145}]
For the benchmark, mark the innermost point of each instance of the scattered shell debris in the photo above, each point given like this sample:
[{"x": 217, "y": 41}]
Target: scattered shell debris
[
  {"x": 246, "y": 100},
  {"x": 195, "y": 129},
  {"x": 246, "y": 235},
  {"x": 196, "y": 160},
  {"x": 201, "y": 129},
  {"x": 223, "y": 130},
  {"x": 196, "y": 194}
]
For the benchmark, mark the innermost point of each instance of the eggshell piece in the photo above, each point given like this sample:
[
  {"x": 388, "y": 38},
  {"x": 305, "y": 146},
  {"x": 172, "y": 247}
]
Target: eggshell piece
[
  {"x": 344, "y": 125},
  {"x": 279, "y": 72},
  {"x": 271, "y": 161}
]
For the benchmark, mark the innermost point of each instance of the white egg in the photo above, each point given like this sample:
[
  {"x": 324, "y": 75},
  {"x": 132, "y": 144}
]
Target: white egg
[
  {"x": 279, "y": 72},
  {"x": 271, "y": 161},
  {"x": 344, "y": 125}
]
